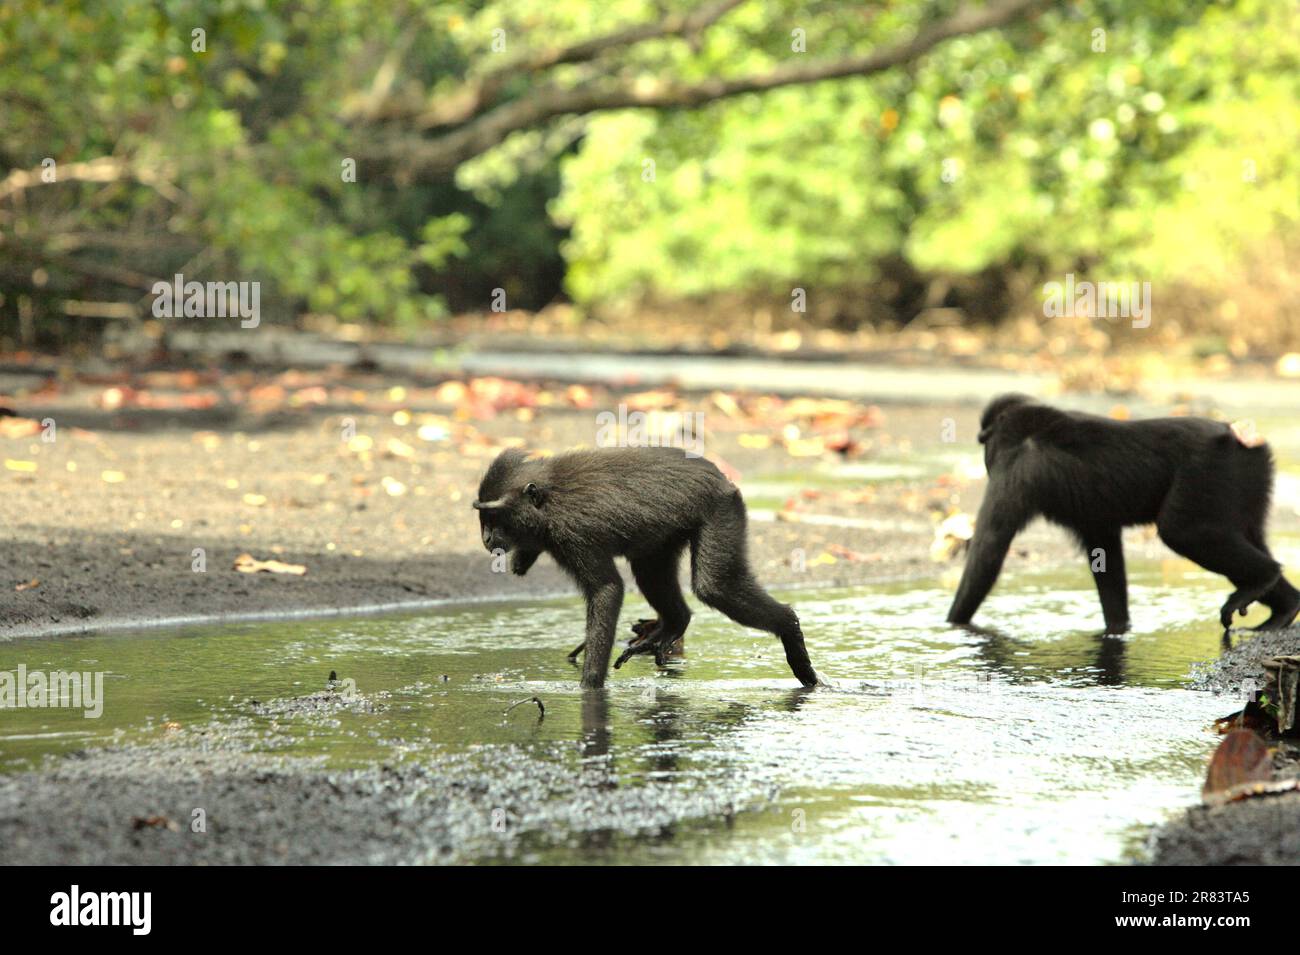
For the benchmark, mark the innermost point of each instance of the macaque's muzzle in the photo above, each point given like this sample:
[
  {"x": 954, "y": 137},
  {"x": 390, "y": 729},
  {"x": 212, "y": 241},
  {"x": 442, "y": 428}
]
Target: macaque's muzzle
[
  {"x": 491, "y": 539},
  {"x": 494, "y": 541}
]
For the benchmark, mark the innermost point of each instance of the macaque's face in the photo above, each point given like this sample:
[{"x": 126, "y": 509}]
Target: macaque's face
[
  {"x": 494, "y": 526},
  {"x": 508, "y": 505}
]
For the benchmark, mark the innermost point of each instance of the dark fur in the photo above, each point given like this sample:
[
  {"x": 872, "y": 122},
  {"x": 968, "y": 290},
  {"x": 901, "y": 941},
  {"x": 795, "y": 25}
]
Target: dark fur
[
  {"x": 585, "y": 508},
  {"x": 1206, "y": 492}
]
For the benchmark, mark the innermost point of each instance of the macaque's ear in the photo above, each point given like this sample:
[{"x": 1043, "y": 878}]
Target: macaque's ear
[
  {"x": 489, "y": 505},
  {"x": 535, "y": 494}
]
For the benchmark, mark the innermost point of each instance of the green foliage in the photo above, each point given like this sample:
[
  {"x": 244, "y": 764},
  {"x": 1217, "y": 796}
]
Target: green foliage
[
  {"x": 244, "y": 135},
  {"x": 1167, "y": 155},
  {"x": 1020, "y": 147}
]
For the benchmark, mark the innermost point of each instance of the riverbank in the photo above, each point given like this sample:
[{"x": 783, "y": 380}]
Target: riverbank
[{"x": 1262, "y": 830}]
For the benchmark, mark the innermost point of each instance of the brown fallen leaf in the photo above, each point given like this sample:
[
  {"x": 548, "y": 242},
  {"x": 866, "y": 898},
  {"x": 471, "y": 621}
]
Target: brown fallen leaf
[
  {"x": 727, "y": 404},
  {"x": 839, "y": 550},
  {"x": 18, "y": 427},
  {"x": 1243, "y": 758},
  {"x": 579, "y": 396},
  {"x": 650, "y": 400},
  {"x": 805, "y": 447},
  {"x": 31, "y": 584},
  {"x": 155, "y": 822},
  {"x": 1253, "y": 717},
  {"x": 248, "y": 564}
]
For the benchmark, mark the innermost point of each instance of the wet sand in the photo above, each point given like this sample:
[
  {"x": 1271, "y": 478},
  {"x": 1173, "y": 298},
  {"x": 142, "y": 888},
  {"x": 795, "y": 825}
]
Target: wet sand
[{"x": 106, "y": 519}]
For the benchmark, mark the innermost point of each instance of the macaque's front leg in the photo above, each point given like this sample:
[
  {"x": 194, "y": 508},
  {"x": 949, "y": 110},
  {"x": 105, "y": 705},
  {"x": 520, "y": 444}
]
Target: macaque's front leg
[
  {"x": 1000, "y": 519},
  {"x": 604, "y": 592},
  {"x": 1105, "y": 554},
  {"x": 521, "y": 561}
]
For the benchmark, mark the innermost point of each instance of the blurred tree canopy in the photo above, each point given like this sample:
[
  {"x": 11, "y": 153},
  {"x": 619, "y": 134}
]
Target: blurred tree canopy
[
  {"x": 383, "y": 162},
  {"x": 1147, "y": 140}
]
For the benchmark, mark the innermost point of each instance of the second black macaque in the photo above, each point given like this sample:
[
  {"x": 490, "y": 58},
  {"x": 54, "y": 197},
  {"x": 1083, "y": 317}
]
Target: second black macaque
[
  {"x": 587, "y": 507},
  {"x": 1204, "y": 487}
]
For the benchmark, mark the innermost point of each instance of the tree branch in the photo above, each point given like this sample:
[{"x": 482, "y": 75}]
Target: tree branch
[
  {"x": 105, "y": 271},
  {"x": 103, "y": 169},
  {"x": 421, "y": 157},
  {"x": 477, "y": 96}
]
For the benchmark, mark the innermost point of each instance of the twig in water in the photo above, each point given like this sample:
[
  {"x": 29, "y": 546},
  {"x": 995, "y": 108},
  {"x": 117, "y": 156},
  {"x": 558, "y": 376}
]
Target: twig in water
[{"x": 541, "y": 710}]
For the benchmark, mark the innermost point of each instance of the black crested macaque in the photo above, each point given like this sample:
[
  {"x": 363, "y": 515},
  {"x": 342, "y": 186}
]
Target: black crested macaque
[
  {"x": 587, "y": 507},
  {"x": 1205, "y": 488}
]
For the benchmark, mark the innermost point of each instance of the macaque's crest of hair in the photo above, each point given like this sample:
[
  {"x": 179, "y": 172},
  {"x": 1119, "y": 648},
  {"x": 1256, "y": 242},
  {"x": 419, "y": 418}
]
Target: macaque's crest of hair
[{"x": 504, "y": 475}]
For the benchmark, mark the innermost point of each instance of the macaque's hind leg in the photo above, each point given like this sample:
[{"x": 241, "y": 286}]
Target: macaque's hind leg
[
  {"x": 1282, "y": 598},
  {"x": 1251, "y": 586},
  {"x": 721, "y": 577},
  {"x": 1252, "y": 571},
  {"x": 656, "y": 576}
]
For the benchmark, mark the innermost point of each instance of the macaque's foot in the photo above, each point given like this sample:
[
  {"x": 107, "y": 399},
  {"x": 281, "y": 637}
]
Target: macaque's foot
[
  {"x": 634, "y": 648},
  {"x": 662, "y": 643},
  {"x": 1239, "y": 602},
  {"x": 577, "y": 652},
  {"x": 1279, "y": 619},
  {"x": 670, "y": 648},
  {"x": 644, "y": 627}
]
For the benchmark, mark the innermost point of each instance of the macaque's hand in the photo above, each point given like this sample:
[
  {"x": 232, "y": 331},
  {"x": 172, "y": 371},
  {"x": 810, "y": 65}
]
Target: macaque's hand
[{"x": 521, "y": 561}]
